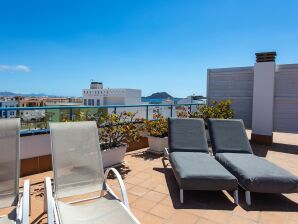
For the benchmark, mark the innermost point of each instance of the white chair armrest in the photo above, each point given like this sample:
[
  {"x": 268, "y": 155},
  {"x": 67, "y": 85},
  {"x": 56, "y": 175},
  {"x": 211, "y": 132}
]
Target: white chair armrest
[
  {"x": 121, "y": 183},
  {"x": 49, "y": 204},
  {"x": 24, "y": 209}
]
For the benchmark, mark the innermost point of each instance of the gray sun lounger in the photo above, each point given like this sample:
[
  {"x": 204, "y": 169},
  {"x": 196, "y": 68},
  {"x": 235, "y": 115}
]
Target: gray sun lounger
[
  {"x": 78, "y": 172},
  {"x": 193, "y": 167},
  {"x": 255, "y": 174},
  {"x": 10, "y": 173}
]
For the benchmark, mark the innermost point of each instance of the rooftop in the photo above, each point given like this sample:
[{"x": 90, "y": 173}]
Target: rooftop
[{"x": 154, "y": 194}]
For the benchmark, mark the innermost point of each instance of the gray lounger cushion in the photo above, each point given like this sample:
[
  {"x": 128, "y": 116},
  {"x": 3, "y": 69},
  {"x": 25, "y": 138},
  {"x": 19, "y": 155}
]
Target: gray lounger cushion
[
  {"x": 187, "y": 135},
  {"x": 200, "y": 171},
  {"x": 228, "y": 136},
  {"x": 256, "y": 174}
]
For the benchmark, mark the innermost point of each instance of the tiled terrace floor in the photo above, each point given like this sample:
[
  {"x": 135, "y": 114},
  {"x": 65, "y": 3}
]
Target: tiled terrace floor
[{"x": 153, "y": 193}]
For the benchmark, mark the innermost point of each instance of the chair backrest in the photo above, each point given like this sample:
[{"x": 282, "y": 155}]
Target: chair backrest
[
  {"x": 9, "y": 161},
  {"x": 228, "y": 135},
  {"x": 76, "y": 155},
  {"x": 187, "y": 135}
]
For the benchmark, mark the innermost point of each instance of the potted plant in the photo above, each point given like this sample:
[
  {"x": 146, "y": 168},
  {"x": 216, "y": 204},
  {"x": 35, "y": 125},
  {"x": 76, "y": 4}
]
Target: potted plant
[
  {"x": 157, "y": 133},
  {"x": 221, "y": 109},
  {"x": 115, "y": 132}
]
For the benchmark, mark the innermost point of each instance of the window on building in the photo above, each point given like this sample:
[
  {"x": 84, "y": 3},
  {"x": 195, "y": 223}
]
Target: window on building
[
  {"x": 85, "y": 102},
  {"x": 98, "y": 102}
]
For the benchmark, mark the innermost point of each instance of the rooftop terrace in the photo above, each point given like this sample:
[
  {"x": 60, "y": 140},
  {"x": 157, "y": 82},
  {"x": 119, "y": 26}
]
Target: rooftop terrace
[{"x": 154, "y": 194}]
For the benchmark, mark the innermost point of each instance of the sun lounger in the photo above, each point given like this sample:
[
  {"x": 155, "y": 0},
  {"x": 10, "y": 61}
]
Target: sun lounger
[
  {"x": 78, "y": 173},
  {"x": 193, "y": 166},
  {"x": 10, "y": 197},
  {"x": 255, "y": 174}
]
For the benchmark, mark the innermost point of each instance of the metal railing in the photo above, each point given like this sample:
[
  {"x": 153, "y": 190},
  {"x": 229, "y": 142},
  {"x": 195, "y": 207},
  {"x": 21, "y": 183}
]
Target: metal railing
[{"x": 36, "y": 119}]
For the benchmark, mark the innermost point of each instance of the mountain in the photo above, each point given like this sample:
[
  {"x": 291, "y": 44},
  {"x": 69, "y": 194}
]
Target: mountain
[
  {"x": 159, "y": 95},
  {"x": 25, "y": 94}
]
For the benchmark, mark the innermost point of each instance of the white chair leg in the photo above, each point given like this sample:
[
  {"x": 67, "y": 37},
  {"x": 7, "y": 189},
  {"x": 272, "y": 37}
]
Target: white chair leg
[
  {"x": 236, "y": 199},
  {"x": 166, "y": 153},
  {"x": 248, "y": 198},
  {"x": 181, "y": 196}
]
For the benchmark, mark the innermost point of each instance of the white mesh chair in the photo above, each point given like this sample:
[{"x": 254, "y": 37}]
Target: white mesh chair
[
  {"x": 9, "y": 174},
  {"x": 78, "y": 170}
]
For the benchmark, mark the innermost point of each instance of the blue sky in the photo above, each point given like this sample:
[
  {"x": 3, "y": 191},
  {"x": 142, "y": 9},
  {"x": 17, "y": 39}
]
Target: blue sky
[{"x": 57, "y": 47}]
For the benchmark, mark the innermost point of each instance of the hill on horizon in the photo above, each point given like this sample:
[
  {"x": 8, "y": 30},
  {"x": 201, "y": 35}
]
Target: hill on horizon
[{"x": 160, "y": 95}]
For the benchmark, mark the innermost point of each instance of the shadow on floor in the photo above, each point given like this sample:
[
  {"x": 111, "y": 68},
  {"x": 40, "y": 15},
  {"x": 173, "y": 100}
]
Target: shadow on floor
[
  {"x": 123, "y": 171},
  {"x": 146, "y": 155},
  {"x": 268, "y": 202},
  {"x": 40, "y": 219},
  {"x": 195, "y": 199},
  {"x": 279, "y": 147},
  {"x": 262, "y": 150},
  {"x": 217, "y": 200}
]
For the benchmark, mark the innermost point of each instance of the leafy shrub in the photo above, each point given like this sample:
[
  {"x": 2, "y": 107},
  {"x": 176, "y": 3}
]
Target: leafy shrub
[
  {"x": 158, "y": 127},
  {"x": 118, "y": 129},
  {"x": 221, "y": 109}
]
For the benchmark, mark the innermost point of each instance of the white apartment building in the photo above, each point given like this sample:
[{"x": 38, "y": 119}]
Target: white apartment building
[
  {"x": 98, "y": 96},
  {"x": 8, "y": 102}
]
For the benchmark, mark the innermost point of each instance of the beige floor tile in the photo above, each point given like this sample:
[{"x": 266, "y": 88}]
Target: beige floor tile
[
  {"x": 139, "y": 214},
  {"x": 162, "y": 189},
  {"x": 239, "y": 220},
  {"x": 206, "y": 221},
  {"x": 154, "y": 196},
  {"x": 293, "y": 215},
  {"x": 182, "y": 217},
  {"x": 217, "y": 216},
  {"x": 152, "y": 219},
  {"x": 143, "y": 204},
  {"x": 252, "y": 215},
  {"x": 272, "y": 218},
  {"x": 138, "y": 191},
  {"x": 162, "y": 211}
]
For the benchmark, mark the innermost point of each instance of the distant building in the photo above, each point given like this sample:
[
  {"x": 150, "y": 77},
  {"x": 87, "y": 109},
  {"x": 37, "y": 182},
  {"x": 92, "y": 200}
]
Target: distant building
[
  {"x": 63, "y": 101},
  {"x": 98, "y": 96},
  {"x": 28, "y": 115},
  {"x": 191, "y": 99},
  {"x": 8, "y": 102},
  {"x": 31, "y": 102}
]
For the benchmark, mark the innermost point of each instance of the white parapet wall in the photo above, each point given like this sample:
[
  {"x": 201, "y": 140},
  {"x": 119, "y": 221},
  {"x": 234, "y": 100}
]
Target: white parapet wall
[
  {"x": 286, "y": 98},
  {"x": 35, "y": 146},
  {"x": 235, "y": 84},
  {"x": 265, "y": 96}
]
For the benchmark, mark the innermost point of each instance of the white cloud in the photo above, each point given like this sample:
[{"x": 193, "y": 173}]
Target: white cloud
[
  {"x": 14, "y": 68},
  {"x": 21, "y": 68},
  {"x": 4, "y": 68}
]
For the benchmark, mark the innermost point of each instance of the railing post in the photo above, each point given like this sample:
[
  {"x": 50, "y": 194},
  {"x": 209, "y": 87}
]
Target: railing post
[
  {"x": 71, "y": 114},
  {"x": 189, "y": 108},
  {"x": 115, "y": 110},
  {"x": 171, "y": 110},
  {"x": 5, "y": 114},
  {"x": 147, "y": 112}
]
